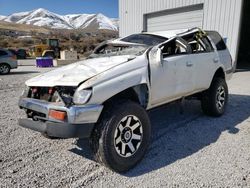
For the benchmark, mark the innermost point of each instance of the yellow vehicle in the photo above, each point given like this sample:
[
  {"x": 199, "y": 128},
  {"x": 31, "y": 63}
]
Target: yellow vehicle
[
  {"x": 51, "y": 49},
  {"x": 38, "y": 50}
]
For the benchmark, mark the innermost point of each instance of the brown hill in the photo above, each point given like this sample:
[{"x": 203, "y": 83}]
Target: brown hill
[
  {"x": 24, "y": 36},
  {"x": 22, "y": 27}
]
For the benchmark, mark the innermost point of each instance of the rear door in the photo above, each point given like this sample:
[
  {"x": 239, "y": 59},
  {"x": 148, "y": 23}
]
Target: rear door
[
  {"x": 204, "y": 58},
  {"x": 184, "y": 69}
]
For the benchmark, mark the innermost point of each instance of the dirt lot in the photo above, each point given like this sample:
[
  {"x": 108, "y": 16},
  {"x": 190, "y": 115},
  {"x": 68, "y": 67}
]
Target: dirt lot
[{"x": 189, "y": 150}]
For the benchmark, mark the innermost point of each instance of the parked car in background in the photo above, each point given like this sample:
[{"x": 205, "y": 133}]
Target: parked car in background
[
  {"x": 106, "y": 97},
  {"x": 8, "y": 61},
  {"x": 20, "y": 53}
]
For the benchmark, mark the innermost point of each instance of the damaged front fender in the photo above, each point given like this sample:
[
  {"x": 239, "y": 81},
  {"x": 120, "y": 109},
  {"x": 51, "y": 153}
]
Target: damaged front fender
[{"x": 118, "y": 79}]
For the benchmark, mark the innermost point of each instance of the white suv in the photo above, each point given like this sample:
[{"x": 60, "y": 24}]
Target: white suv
[
  {"x": 106, "y": 97},
  {"x": 8, "y": 61}
]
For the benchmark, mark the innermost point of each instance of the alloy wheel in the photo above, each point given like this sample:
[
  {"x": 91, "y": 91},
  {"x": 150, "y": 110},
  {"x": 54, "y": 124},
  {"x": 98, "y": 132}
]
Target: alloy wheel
[
  {"x": 128, "y": 136},
  {"x": 4, "y": 69},
  {"x": 220, "y": 97}
]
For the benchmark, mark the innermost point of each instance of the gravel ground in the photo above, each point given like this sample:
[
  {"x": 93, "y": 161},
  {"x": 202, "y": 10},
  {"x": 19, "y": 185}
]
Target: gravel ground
[{"x": 187, "y": 150}]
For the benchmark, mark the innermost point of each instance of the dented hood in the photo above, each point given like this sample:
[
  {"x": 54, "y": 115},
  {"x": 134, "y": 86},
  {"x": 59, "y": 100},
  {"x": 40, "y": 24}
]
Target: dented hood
[{"x": 74, "y": 74}]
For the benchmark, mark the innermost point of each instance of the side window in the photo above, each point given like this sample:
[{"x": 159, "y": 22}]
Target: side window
[
  {"x": 217, "y": 39},
  {"x": 173, "y": 47},
  {"x": 3, "y": 53},
  {"x": 207, "y": 44},
  {"x": 198, "y": 43},
  {"x": 196, "y": 46}
]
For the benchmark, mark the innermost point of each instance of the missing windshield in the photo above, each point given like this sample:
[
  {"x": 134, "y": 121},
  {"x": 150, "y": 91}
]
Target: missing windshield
[{"x": 108, "y": 50}]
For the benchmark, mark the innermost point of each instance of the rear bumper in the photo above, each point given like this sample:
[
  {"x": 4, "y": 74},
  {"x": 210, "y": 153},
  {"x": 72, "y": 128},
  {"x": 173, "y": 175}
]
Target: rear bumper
[
  {"x": 60, "y": 130},
  {"x": 13, "y": 64},
  {"x": 79, "y": 124}
]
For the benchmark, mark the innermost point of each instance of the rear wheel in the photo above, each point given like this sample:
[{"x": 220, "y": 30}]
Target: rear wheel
[
  {"x": 121, "y": 138},
  {"x": 214, "y": 100},
  {"x": 4, "y": 68}
]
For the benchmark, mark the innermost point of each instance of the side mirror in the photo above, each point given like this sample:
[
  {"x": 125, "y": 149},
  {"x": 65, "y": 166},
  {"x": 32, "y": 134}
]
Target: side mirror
[{"x": 156, "y": 55}]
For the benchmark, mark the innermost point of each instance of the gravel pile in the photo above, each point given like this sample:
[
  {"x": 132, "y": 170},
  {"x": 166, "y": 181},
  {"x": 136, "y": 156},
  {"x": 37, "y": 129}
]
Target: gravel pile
[{"x": 187, "y": 150}]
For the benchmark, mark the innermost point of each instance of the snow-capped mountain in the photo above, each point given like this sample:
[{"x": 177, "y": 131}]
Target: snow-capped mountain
[
  {"x": 42, "y": 17},
  {"x": 2, "y": 17},
  {"x": 115, "y": 21}
]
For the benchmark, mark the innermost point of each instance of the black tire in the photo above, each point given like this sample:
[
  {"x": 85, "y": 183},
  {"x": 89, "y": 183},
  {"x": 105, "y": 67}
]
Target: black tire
[
  {"x": 103, "y": 137},
  {"x": 211, "y": 103},
  {"x": 49, "y": 137},
  {"x": 4, "y": 69}
]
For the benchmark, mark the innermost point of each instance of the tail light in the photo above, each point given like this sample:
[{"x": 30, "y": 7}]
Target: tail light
[{"x": 14, "y": 57}]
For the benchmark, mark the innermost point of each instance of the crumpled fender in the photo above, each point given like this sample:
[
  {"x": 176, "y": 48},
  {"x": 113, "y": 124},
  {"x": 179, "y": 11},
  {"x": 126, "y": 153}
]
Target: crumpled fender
[{"x": 118, "y": 79}]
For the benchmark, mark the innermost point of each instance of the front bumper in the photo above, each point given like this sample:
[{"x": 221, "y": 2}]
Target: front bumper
[
  {"x": 79, "y": 124},
  {"x": 59, "y": 130}
]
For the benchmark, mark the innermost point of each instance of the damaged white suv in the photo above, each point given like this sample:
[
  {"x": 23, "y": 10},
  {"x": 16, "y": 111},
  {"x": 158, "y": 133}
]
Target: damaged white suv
[{"x": 106, "y": 97}]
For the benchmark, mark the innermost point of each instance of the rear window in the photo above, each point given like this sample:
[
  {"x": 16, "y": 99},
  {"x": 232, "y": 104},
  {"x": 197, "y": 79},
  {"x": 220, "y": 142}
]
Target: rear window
[
  {"x": 3, "y": 53},
  {"x": 217, "y": 39}
]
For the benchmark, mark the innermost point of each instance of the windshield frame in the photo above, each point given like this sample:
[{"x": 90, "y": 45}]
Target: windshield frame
[
  {"x": 128, "y": 46},
  {"x": 123, "y": 43}
]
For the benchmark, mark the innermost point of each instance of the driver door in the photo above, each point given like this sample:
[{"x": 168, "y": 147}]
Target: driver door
[{"x": 171, "y": 73}]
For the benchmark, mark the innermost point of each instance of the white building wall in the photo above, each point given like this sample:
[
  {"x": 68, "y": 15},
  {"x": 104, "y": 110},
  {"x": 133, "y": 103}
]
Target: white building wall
[{"x": 220, "y": 15}]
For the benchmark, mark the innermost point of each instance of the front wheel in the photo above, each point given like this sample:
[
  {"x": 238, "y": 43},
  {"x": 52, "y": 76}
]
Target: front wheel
[
  {"x": 121, "y": 138},
  {"x": 214, "y": 100}
]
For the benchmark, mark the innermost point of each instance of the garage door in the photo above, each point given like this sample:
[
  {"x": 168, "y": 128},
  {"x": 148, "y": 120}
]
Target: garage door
[{"x": 181, "y": 18}]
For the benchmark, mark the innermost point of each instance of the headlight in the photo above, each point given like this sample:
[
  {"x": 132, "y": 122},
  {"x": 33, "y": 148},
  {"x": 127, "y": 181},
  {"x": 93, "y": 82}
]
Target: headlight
[
  {"x": 25, "y": 92},
  {"x": 82, "y": 96}
]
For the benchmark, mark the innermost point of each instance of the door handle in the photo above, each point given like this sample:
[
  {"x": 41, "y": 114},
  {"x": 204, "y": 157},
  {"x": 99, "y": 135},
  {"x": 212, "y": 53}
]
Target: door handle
[
  {"x": 216, "y": 60},
  {"x": 189, "y": 64}
]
